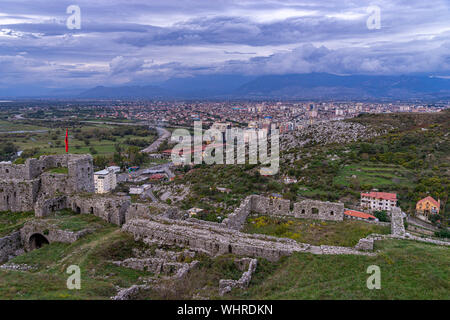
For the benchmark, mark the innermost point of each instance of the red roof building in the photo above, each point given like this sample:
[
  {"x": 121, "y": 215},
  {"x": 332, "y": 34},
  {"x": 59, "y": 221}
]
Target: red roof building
[
  {"x": 380, "y": 195},
  {"x": 378, "y": 201},
  {"x": 353, "y": 214},
  {"x": 157, "y": 176}
]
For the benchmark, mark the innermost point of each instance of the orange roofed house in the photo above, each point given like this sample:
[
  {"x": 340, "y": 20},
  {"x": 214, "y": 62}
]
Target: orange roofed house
[
  {"x": 377, "y": 201},
  {"x": 427, "y": 206},
  {"x": 358, "y": 215}
]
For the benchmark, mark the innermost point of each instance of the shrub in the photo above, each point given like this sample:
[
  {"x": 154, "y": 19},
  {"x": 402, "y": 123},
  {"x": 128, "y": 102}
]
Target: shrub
[{"x": 443, "y": 233}]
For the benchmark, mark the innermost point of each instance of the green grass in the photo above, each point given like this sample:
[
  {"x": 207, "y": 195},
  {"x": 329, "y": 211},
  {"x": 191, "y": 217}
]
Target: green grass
[
  {"x": 339, "y": 233},
  {"x": 409, "y": 270},
  {"x": 62, "y": 170},
  {"x": 377, "y": 176},
  {"x": 67, "y": 220},
  {"x": 46, "y": 145},
  {"x": 92, "y": 254},
  {"x": 12, "y": 221},
  {"x": 6, "y": 126}
]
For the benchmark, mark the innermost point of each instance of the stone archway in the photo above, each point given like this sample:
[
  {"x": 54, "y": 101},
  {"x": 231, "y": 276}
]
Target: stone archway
[{"x": 37, "y": 240}]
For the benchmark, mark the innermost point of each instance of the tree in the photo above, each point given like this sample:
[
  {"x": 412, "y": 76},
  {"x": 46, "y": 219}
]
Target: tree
[
  {"x": 7, "y": 150},
  {"x": 381, "y": 215}
]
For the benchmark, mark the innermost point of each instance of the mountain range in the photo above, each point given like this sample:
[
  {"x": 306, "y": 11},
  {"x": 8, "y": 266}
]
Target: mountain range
[{"x": 288, "y": 86}]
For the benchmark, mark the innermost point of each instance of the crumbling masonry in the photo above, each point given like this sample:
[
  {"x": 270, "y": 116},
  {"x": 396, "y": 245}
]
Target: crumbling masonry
[
  {"x": 22, "y": 186},
  {"x": 307, "y": 209}
]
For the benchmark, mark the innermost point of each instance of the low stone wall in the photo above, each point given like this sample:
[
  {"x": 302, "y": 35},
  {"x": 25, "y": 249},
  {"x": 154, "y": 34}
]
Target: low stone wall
[
  {"x": 236, "y": 220},
  {"x": 365, "y": 244},
  {"x": 49, "y": 231},
  {"x": 226, "y": 286},
  {"x": 130, "y": 293},
  {"x": 426, "y": 240},
  {"x": 216, "y": 240},
  {"x": 137, "y": 211},
  {"x": 10, "y": 246},
  {"x": 307, "y": 209}
]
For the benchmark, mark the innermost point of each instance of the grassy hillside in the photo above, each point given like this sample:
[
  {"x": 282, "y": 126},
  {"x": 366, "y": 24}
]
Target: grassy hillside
[
  {"x": 409, "y": 270},
  {"x": 346, "y": 233}
]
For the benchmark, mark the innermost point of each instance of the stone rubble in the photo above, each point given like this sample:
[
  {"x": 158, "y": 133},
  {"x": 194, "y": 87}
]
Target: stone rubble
[{"x": 226, "y": 285}]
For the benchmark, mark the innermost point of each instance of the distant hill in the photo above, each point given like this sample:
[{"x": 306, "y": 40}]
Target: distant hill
[
  {"x": 291, "y": 86},
  {"x": 127, "y": 92}
]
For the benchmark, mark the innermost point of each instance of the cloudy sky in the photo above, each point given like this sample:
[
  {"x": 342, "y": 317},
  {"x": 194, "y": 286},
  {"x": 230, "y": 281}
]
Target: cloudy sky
[{"x": 148, "y": 41}]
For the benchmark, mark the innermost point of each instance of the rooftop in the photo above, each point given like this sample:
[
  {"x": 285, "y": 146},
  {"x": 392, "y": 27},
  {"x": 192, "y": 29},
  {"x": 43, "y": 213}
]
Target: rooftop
[
  {"x": 380, "y": 195},
  {"x": 359, "y": 214}
]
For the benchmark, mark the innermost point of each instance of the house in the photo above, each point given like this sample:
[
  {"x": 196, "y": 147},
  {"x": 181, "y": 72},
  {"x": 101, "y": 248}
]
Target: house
[
  {"x": 157, "y": 177},
  {"x": 136, "y": 190},
  {"x": 289, "y": 180},
  {"x": 377, "y": 201},
  {"x": 194, "y": 211},
  {"x": 276, "y": 196},
  {"x": 427, "y": 206},
  {"x": 104, "y": 181},
  {"x": 358, "y": 215},
  {"x": 221, "y": 189}
]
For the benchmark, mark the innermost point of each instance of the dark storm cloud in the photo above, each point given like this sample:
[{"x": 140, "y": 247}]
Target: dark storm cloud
[{"x": 138, "y": 40}]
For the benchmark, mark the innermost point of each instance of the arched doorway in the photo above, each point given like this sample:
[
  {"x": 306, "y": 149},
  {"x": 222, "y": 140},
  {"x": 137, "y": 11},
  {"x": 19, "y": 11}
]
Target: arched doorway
[{"x": 37, "y": 240}]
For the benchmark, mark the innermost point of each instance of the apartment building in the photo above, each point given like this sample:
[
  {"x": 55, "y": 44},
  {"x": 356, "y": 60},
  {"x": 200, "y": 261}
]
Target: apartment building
[
  {"x": 105, "y": 181},
  {"x": 377, "y": 201}
]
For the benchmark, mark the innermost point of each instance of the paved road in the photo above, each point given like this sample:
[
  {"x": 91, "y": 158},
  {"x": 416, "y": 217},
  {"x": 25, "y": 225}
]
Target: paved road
[{"x": 163, "y": 135}]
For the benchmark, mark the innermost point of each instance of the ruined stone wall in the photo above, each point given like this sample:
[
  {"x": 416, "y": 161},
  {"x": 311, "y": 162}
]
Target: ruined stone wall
[
  {"x": 137, "y": 211},
  {"x": 112, "y": 209},
  {"x": 18, "y": 195},
  {"x": 216, "y": 240},
  {"x": 13, "y": 171},
  {"x": 313, "y": 209},
  {"x": 397, "y": 225},
  {"x": 236, "y": 220},
  {"x": 44, "y": 206},
  {"x": 310, "y": 209},
  {"x": 51, "y": 232},
  {"x": 9, "y": 246},
  {"x": 81, "y": 174},
  {"x": 21, "y": 185},
  {"x": 56, "y": 183}
]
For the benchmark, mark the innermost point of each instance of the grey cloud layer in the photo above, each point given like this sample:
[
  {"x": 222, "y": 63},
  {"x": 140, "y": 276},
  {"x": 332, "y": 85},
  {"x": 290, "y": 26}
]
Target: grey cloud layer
[{"x": 144, "y": 41}]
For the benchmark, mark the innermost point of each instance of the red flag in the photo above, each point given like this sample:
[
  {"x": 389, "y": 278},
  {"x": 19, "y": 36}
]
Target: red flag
[{"x": 67, "y": 140}]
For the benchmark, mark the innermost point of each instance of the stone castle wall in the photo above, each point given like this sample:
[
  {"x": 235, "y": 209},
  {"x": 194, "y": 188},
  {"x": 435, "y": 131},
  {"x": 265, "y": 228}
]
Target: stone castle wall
[
  {"x": 216, "y": 240},
  {"x": 111, "y": 209},
  {"x": 51, "y": 232},
  {"x": 18, "y": 195},
  {"x": 22, "y": 185},
  {"x": 308, "y": 209}
]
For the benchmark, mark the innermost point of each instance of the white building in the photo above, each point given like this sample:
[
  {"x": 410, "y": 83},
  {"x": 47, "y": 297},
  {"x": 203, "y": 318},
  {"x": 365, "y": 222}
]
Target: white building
[
  {"x": 115, "y": 169},
  {"x": 194, "y": 211},
  {"x": 105, "y": 181},
  {"x": 377, "y": 201}
]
